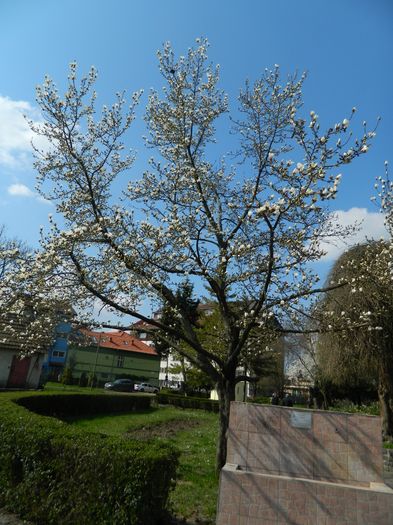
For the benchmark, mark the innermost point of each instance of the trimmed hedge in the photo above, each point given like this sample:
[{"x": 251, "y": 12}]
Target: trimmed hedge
[
  {"x": 188, "y": 402},
  {"x": 51, "y": 473},
  {"x": 63, "y": 405}
]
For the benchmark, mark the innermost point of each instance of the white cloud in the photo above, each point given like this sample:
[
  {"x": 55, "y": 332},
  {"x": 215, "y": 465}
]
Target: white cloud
[
  {"x": 370, "y": 226},
  {"x": 15, "y": 133},
  {"x": 21, "y": 190}
]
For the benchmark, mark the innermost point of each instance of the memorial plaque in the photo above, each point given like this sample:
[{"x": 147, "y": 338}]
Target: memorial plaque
[{"x": 301, "y": 419}]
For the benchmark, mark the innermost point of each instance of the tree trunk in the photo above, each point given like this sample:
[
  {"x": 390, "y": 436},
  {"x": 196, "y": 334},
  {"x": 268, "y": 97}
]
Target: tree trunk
[
  {"x": 226, "y": 394},
  {"x": 385, "y": 395}
]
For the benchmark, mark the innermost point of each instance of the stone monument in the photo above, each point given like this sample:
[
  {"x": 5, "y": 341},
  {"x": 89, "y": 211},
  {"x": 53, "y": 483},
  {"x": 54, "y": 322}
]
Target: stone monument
[{"x": 288, "y": 466}]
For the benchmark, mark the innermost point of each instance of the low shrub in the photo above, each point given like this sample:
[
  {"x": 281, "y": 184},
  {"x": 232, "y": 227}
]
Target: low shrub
[
  {"x": 171, "y": 392},
  {"x": 345, "y": 405},
  {"x": 195, "y": 393},
  {"x": 51, "y": 473},
  {"x": 263, "y": 400},
  {"x": 188, "y": 402},
  {"x": 63, "y": 405}
]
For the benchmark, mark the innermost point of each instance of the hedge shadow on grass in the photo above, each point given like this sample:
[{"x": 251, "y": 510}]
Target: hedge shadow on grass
[{"x": 69, "y": 405}]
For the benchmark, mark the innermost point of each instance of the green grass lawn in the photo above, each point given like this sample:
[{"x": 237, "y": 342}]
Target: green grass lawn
[{"x": 194, "y": 433}]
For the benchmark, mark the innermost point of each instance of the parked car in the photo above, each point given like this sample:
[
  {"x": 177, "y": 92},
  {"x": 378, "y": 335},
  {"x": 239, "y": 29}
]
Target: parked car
[
  {"x": 146, "y": 387},
  {"x": 120, "y": 385}
]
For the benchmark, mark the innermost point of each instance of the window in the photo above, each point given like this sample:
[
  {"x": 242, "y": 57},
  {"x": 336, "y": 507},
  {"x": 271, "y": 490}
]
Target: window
[
  {"x": 56, "y": 353},
  {"x": 120, "y": 361}
]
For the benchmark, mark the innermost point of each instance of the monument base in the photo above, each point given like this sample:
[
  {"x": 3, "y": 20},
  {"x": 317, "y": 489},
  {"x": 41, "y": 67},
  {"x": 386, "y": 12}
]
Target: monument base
[{"x": 252, "y": 498}]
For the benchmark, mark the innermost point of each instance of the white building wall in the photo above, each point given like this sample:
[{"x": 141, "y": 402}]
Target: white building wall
[
  {"x": 5, "y": 366},
  {"x": 33, "y": 377},
  {"x": 166, "y": 378}
]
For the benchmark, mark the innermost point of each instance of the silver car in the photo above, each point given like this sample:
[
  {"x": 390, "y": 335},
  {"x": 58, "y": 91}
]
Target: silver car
[{"x": 146, "y": 387}]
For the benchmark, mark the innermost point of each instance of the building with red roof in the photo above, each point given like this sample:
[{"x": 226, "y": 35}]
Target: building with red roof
[
  {"x": 118, "y": 340},
  {"x": 106, "y": 356}
]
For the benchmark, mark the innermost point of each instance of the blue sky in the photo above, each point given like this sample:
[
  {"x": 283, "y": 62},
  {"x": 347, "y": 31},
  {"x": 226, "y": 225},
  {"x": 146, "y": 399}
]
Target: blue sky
[{"x": 346, "y": 47}]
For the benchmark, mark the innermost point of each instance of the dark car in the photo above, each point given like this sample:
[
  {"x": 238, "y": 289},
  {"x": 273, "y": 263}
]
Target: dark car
[{"x": 120, "y": 385}]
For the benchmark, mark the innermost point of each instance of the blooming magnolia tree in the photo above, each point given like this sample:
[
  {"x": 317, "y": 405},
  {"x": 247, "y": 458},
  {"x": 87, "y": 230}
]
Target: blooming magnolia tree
[
  {"x": 246, "y": 230},
  {"x": 363, "y": 349},
  {"x": 12, "y": 253},
  {"x": 358, "y": 317},
  {"x": 27, "y": 313},
  {"x": 384, "y": 187}
]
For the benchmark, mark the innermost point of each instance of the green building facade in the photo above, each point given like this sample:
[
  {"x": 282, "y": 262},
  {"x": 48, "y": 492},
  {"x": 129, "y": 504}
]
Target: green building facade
[{"x": 108, "y": 364}]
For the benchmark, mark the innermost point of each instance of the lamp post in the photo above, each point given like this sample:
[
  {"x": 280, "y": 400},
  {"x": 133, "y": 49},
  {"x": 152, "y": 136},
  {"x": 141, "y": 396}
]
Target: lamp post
[{"x": 95, "y": 363}]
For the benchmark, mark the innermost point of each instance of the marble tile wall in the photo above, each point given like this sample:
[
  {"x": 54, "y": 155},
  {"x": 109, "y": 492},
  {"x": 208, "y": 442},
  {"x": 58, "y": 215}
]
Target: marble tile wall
[{"x": 310, "y": 444}]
